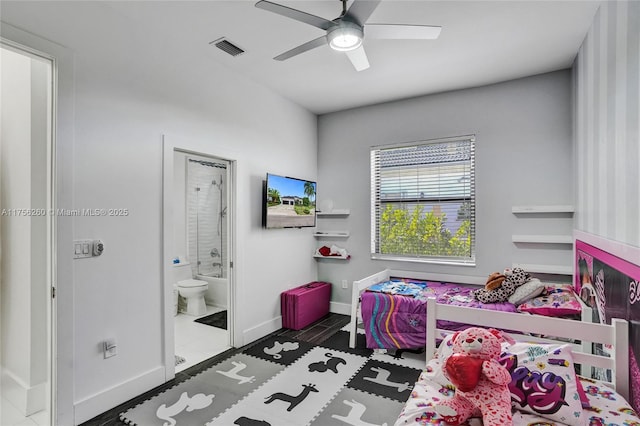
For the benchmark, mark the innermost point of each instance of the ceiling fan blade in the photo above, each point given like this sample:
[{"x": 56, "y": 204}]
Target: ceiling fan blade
[
  {"x": 360, "y": 10},
  {"x": 358, "y": 58},
  {"x": 320, "y": 41},
  {"x": 402, "y": 32},
  {"x": 298, "y": 15}
]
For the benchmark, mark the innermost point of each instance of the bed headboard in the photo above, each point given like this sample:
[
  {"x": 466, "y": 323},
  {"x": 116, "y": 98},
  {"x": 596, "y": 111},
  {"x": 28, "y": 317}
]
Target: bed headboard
[
  {"x": 614, "y": 335},
  {"x": 607, "y": 277}
]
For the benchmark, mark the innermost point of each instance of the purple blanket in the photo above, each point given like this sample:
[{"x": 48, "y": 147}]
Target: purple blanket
[{"x": 394, "y": 322}]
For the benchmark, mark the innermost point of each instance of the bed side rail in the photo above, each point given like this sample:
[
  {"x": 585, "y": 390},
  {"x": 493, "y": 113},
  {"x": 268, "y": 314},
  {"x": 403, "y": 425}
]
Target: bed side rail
[{"x": 616, "y": 334}]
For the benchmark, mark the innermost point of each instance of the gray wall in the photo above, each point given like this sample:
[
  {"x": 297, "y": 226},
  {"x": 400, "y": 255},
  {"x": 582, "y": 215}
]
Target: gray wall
[
  {"x": 607, "y": 125},
  {"x": 523, "y": 156}
]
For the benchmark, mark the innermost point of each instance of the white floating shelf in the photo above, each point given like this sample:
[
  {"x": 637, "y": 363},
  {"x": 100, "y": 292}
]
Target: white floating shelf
[
  {"x": 319, "y": 256},
  {"x": 542, "y": 209},
  {"x": 331, "y": 234},
  {"x": 340, "y": 212},
  {"x": 545, "y": 269},
  {"x": 543, "y": 239}
]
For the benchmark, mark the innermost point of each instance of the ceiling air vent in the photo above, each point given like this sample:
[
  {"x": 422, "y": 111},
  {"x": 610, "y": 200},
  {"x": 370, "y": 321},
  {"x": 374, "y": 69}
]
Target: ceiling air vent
[{"x": 228, "y": 47}]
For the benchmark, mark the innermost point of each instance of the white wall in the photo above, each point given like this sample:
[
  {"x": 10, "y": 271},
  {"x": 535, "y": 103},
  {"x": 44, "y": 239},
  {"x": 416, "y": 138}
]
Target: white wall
[
  {"x": 130, "y": 88},
  {"x": 607, "y": 125},
  {"x": 23, "y": 156},
  {"x": 523, "y": 156}
]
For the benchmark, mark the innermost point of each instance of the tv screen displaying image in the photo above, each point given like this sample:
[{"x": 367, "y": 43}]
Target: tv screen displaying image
[{"x": 289, "y": 202}]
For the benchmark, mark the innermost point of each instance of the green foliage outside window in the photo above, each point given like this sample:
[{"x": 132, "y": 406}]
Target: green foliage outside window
[{"x": 423, "y": 234}]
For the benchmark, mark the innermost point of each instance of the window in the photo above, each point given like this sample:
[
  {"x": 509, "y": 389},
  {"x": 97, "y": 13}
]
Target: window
[{"x": 423, "y": 201}]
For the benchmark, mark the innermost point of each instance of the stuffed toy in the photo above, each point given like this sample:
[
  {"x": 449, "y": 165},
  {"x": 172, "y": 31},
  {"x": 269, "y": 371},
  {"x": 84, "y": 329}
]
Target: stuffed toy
[
  {"x": 517, "y": 276},
  {"x": 482, "y": 384},
  {"x": 500, "y": 286},
  {"x": 334, "y": 250}
]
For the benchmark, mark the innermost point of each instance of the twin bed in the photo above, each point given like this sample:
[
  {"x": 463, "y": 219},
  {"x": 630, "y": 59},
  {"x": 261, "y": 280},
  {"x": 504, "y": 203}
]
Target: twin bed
[
  {"x": 393, "y": 321},
  {"x": 536, "y": 402}
]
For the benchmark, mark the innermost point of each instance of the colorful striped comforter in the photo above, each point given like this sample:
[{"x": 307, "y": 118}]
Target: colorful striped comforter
[{"x": 393, "y": 321}]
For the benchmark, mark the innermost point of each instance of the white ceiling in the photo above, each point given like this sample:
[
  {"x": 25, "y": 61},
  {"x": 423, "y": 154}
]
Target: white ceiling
[{"x": 481, "y": 42}]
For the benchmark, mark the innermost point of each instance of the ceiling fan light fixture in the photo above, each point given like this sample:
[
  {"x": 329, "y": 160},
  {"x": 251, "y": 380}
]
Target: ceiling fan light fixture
[{"x": 345, "y": 37}]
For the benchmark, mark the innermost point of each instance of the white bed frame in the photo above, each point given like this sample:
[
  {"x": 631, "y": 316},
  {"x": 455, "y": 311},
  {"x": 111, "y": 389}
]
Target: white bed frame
[
  {"x": 360, "y": 286},
  {"x": 616, "y": 334}
]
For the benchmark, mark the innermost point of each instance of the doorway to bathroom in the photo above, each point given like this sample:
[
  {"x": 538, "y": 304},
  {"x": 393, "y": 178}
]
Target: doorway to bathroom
[{"x": 201, "y": 263}]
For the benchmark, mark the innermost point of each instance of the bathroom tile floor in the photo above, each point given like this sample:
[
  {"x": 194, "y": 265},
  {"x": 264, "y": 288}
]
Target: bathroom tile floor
[{"x": 196, "y": 342}]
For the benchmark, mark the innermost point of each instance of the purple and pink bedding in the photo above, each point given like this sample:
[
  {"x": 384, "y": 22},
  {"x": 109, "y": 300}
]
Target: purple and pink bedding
[
  {"x": 605, "y": 406},
  {"x": 394, "y": 321}
]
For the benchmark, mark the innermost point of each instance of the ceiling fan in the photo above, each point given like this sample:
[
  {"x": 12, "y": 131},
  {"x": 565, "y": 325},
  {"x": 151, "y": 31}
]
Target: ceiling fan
[{"x": 347, "y": 31}]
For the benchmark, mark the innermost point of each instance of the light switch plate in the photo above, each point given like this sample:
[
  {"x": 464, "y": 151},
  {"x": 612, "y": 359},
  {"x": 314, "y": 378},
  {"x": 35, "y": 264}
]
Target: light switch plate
[{"x": 82, "y": 249}]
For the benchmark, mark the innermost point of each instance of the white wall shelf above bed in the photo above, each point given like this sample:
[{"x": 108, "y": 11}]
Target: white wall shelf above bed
[
  {"x": 331, "y": 234},
  {"x": 545, "y": 269},
  {"x": 319, "y": 256},
  {"x": 542, "y": 209},
  {"x": 333, "y": 213},
  {"x": 543, "y": 239}
]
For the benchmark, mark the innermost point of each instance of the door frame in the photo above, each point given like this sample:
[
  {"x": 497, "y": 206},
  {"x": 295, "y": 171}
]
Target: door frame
[
  {"x": 59, "y": 396},
  {"x": 171, "y": 144},
  {"x": 63, "y": 93}
]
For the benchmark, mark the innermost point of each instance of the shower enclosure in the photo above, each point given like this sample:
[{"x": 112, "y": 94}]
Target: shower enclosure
[{"x": 207, "y": 183}]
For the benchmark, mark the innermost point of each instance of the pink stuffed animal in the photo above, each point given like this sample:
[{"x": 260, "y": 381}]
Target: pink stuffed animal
[{"x": 482, "y": 384}]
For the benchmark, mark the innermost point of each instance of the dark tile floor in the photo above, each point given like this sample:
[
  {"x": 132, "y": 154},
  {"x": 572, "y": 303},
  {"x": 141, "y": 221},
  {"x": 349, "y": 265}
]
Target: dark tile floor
[{"x": 314, "y": 333}]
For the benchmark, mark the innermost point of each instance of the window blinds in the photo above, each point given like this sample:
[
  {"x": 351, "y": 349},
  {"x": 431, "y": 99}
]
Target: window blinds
[{"x": 423, "y": 201}]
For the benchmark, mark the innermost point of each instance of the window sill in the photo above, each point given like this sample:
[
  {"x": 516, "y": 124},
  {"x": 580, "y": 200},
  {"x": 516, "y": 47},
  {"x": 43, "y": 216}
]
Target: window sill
[{"x": 471, "y": 263}]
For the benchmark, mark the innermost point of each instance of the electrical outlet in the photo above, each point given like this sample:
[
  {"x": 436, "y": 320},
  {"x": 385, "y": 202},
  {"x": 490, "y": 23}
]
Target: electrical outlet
[
  {"x": 110, "y": 348},
  {"x": 345, "y": 284}
]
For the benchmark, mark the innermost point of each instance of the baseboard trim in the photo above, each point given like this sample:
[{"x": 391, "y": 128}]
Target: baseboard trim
[
  {"x": 340, "y": 308},
  {"x": 254, "y": 333},
  {"x": 90, "y": 407},
  {"x": 28, "y": 399}
]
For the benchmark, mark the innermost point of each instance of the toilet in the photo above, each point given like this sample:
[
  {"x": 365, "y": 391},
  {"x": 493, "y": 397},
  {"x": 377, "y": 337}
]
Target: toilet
[{"x": 192, "y": 291}]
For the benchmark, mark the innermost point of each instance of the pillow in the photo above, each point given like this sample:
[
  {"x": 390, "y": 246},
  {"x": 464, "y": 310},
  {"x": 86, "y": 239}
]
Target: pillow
[
  {"x": 446, "y": 347},
  {"x": 433, "y": 372},
  {"x": 559, "y": 301},
  {"x": 604, "y": 401},
  {"x": 527, "y": 291},
  {"x": 543, "y": 381}
]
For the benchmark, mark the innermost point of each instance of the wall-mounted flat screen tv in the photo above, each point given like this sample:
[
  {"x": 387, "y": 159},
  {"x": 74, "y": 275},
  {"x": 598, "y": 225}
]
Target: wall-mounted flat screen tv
[{"x": 289, "y": 202}]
